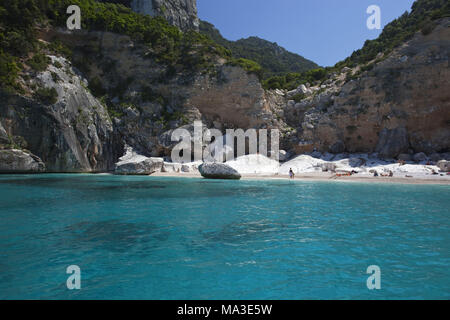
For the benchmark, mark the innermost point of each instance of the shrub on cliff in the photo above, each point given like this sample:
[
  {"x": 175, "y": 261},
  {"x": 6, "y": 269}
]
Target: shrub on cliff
[
  {"x": 39, "y": 62},
  {"x": 46, "y": 95},
  {"x": 421, "y": 18},
  {"x": 400, "y": 30},
  {"x": 291, "y": 81},
  {"x": 8, "y": 70},
  {"x": 272, "y": 58},
  {"x": 248, "y": 65},
  {"x": 167, "y": 44}
]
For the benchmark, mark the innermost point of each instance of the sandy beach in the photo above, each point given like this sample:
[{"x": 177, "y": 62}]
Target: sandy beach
[
  {"x": 352, "y": 168},
  {"x": 425, "y": 179}
]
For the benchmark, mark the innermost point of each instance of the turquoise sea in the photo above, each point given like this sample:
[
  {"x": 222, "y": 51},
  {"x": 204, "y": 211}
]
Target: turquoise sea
[{"x": 170, "y": 238}]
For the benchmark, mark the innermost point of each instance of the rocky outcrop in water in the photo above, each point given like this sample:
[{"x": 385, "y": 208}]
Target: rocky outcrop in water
[
  {"x": 218, "y": 171},
  {"x": 180, "y": 13},
  {"x": 18, "y": 161}
]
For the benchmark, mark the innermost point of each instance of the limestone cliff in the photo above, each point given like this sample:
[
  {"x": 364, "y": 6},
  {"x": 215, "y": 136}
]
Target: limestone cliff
[
  {"x": 73, "y": 133},
  {"x": 401, "y": 105},
  {"x": 78, "y": 114},
  {"x": 18, "y": 161},
  {"x": 181, "y": 13},
  {"x": 148, "y": 104}
]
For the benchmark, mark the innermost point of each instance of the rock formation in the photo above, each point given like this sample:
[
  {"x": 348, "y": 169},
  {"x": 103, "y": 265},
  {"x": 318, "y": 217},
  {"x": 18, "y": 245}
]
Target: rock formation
[
  {"x": 134, "y": 164},
  {"x": 80, "y": 119},
  {"x": 218, "y": 171},
  {"x": 402, "y": 105},
  {"x": 73, "y": 133},
  {"x": 4, "y": 139},
  {"x": 444, "y": 165},
  {"x": 18, "y": 161},
  {"x": 181, "y": 13}
]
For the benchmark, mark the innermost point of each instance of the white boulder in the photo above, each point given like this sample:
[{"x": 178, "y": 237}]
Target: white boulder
[
  {"x": 255, "y": 164},
  {"x": 170, "y": 167},
  {"x": 134, "y": 164}
]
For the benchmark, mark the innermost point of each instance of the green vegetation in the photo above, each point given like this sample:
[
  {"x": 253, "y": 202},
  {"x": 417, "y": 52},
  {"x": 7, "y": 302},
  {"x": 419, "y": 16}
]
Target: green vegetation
[
  {"x": 422, "y": 18},
  {"x": 198, "y": 53},
  {"x": 46, "y": 95},
  {"x": 188, "y": 51},
  {"x": 126, "y": 3},
  {"x": 17, "y": 38},
  {"x": 96, "y": 87},
  {"x": 149, "y": 95},
  {"x": 15, "y": 142},
  {"x": 114, "y": 112},
  {"x": 9, "y": 70},
  {"x": 249, "y": 66},
  {"x": 55, "y": 77},
  {"x": 298, "y": 97},
  {"x": 166, "y": 117},
  {"x": 291, "y": 81},
  {"x": 39, "y": 62},
  {"x": 168, "y": 44},
  {"x": 273, "y": 59},
  {"x": 57, "y": 47}
]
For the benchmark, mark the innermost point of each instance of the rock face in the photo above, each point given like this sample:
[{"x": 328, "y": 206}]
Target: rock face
[
  {"x": 404, "y": 157},
  {"x": 283, "y": 155},
  {"x": 444, "y": 165},
  {"x": 4, "y": 139},
  {"x": 399, "y": 105},
  {"x": 73, "y": 133},
  {"x": 17, "y": 161},
  {"x": 76, "y": 133},
  {"x": 420, "y": 157},
  {"x": 236, "y": 100},
  {"x": 180, "y": 13},
  {"x": 392, "y": 143},
  {"x": 231, "y": 98},
  {"x": 146, "y": 166},
  {"x": 218, "y": 171}
]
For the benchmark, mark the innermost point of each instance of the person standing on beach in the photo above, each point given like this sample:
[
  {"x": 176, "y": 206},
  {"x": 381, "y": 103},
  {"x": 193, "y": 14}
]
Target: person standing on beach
[{"x": 291, "y": 174}]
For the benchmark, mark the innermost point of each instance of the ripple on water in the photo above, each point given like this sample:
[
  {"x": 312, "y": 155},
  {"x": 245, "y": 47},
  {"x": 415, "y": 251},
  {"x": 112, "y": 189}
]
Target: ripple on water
[{"x": 156, "y": 238}]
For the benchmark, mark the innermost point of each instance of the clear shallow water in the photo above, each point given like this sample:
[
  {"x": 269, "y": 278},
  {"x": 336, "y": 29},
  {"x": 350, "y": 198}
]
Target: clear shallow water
[{"x": 164, "y": 238}]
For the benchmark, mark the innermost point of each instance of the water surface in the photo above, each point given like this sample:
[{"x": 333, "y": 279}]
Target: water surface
[{"x": 170, "y": 238}]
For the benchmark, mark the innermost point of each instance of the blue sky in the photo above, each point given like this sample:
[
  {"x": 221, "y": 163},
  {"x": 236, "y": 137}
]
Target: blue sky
[{"x": 325, "y": 31}]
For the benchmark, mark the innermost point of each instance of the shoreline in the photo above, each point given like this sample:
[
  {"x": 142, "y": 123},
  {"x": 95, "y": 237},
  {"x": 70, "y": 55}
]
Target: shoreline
[
  {"x": 311, "y": 177},
  {"x": 426, "y": 180}
]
